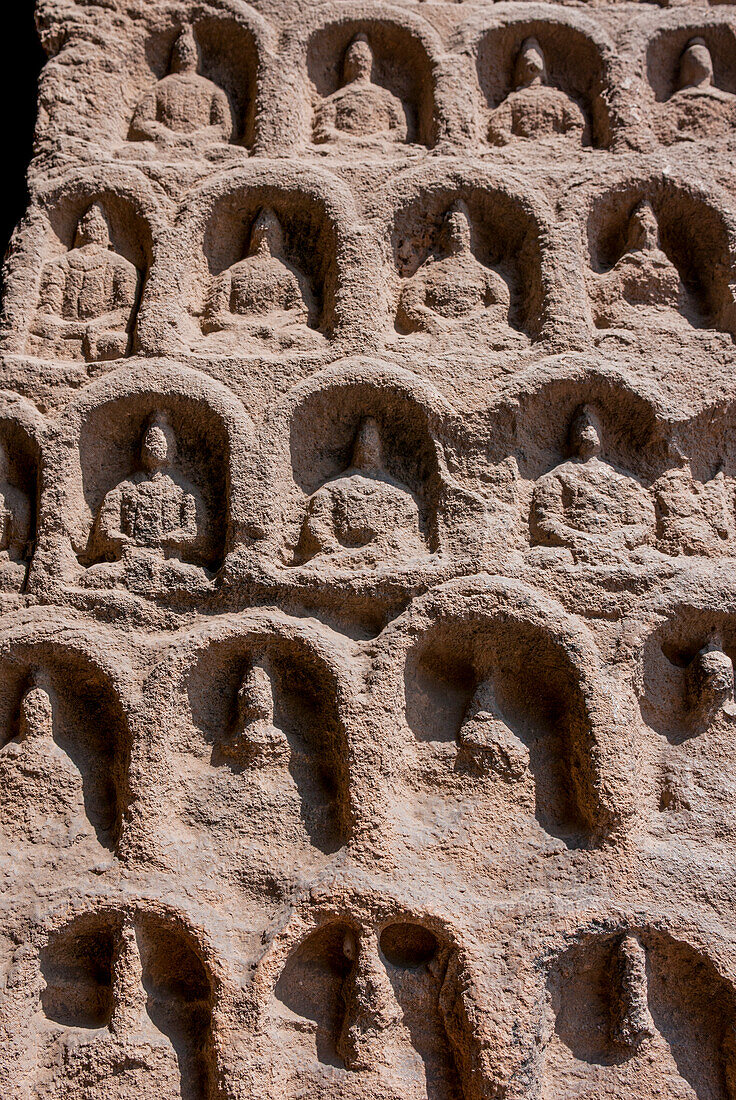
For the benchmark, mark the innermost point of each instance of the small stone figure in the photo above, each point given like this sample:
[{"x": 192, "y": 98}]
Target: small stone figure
[
  {"x": 586, "y": 504},
  {"x": 361, "y": 111},
  {"x": 88, "y": 297},
  {"x": 698, "y": 108},
  {"x": 643, "y": 287},
  {"x": 255, "y": 738},
  {"x": 452, "y": 285},
  {"x": 184, "y": 105},
  {"x": 154, "y": 516},
  {"x": 364, "y": 509},
  {"x": 487, "y": 740},
  {"x": 631, "y": 1020},
  {"x": 263, "y": 291},
  {"x": 128, "y": 993},
  {"x": 709, "y": 685},
  {"x": 372, "y": 1021},
  {"x": 36, "y": 715},
  {"x": 536, "y": 109},
  {"x": 15, "y": 529},
  {"x": 695, "y": 517}
]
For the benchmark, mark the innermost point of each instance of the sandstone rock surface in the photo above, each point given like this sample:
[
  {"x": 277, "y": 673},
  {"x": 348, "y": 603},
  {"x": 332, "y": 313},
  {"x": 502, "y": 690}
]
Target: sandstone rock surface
[{"x": 368, "y": 555}]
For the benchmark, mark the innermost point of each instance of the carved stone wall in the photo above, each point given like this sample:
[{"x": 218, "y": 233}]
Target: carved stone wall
[{"x": 367, "y": 555}]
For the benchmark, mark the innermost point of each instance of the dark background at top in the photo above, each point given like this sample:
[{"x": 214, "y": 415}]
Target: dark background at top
[{"x": 18, "y": 83}]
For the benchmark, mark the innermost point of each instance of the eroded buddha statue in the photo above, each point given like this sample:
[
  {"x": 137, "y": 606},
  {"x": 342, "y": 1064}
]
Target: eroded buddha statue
[
  {"x": 452, "y": 285},
  {"x": 364, "y": 512},
  {"x": 535, "y": 108},
  {"x": 643, "y": 286},
  {"x": 698, "y": 108},
  {"x": 88, "y": 297},
  {"x": 254, "y": 737},
  {"x": 588, "y": 505},
  {"x": 184, "y": 106},
  {"x": 361, "y": 110},
  {"x": 154, "y": 516},
  {"x": 264, "y": 291}
]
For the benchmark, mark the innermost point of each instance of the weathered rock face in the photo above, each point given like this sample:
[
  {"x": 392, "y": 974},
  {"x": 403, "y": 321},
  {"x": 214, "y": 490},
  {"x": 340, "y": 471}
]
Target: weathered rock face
[{"x": 367, "y": 555}]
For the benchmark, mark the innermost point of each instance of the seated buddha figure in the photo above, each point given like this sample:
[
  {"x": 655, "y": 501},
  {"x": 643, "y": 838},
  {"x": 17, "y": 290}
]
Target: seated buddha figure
[
  {"x": 15, "y": 529},
  {"x": 364, "y": 512},
  {"x": 587, "y": 505},
  {"x": 452, "y": 285},
  {"x": 697, "y": 108},
  {"x": 88, "y": 297},
  {"x": 184, "y": 105},
  {"x": 643, "y": 287},
  {"x": 360, "y": 111},
  {"x": 485, "y": 740},
  {"x": 154, "y": 518},
  {"x": 709, "y": 685},
  {"x": 263, "y": 292},
  {"x": 536, "y": 109}
]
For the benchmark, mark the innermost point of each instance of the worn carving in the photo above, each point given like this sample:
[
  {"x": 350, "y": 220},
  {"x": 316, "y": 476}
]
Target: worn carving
[
  {"x": 361, "y": 110},
  {"x": 535, "y": 108}
]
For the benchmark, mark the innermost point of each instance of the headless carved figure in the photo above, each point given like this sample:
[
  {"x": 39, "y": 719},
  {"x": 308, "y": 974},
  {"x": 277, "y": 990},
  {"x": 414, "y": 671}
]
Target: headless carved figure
[
  {"x": 184, "y": 105},
  {"x": 156, "y": 514},
  {"x": 360, "y": 110},
  {"x": 586, "y": 504},
  {"x": 263, "y": 290},
  {"x": 698, "y": 108},
  {"x": 695, "y": 517},
  {"x": 486, "y": 739},
  {"x": 643, "y": 286},
  {"x": 88, "y": 297},
  {"x": 15, "y": 528},
  {"x": 255, "y": 738},
  {"x": 363, "y": 510},
  {"x": 536, "y": 109},
  {"x": 452, "y": 285}
]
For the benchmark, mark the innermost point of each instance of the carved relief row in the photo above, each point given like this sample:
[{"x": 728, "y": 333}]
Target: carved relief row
[
  {"x": 140, "y": 751},
  {"x": 369, "y": 992},
  {"x": 260, "y": 265},
  {"x": 385, "y": 79},
  {"x": 178, "y": 492}
]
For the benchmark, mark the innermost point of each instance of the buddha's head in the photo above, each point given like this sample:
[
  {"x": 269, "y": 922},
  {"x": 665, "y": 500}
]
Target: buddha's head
[
  {"x": 368, "y": 450},
  {"x": 530, "y": 65},
  {"x": 266, "y": 235},
  {"x": 696, "y": 65},
  {"x": 643, "y": 234},
  {"x": 358, "y": 64},
  {"x": 158, "y": 446},
  {"x": 185, "y": 55},
  {"x": 93, "y": 227},
  {"x": 456, "y": 231},
  {"x": 585, "y": 433}
]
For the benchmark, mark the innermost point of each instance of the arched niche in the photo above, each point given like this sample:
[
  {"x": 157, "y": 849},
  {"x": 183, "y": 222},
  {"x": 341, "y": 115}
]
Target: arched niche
[
  {"x": 63, "y": 721},
  {"x": 325, "y": 423},
  {"x": 665, "y": 48},
  {"x": 633, "y": 423},
  {"x": 131, "y": 224},
  {"x": 577, "y": 63},
  {"x": 310, "y": 231},
  {"x": 21, "y": 434},
  {"x": 404, "y": 63},
  {"x": 468, "y": 705},
  {"x": 230, "y": 46},
  {"x": 375, "y": 989},
  {"x": 121, "y": 980},
  {"x": 635, "y": 1009},
  {"x": 505, "y": 237},
  {"x": 265, "y": 710},
  {"x": 108, "y": 423},
  {"x": 681, "y": 695},
  {"x": 695, "y": 236}
]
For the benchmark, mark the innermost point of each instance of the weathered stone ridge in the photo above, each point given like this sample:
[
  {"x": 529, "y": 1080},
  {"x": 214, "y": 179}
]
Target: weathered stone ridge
[{"x": 367, "y": 547}]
